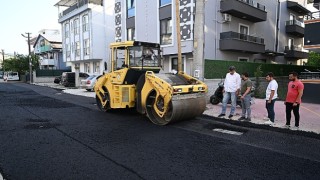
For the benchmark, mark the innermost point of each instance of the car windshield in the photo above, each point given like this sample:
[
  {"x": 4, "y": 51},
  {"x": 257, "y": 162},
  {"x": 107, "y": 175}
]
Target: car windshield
[{"x": 91, "y": 77}]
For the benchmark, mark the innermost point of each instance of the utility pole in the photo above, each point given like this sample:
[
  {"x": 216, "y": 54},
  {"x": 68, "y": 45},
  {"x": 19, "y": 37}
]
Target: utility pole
[
  {"x": 2, "y": 50},
  {"x": 29, "y": 57},
  {"x": 178, "y": 35},
  {"x": 198, "y": 43}
]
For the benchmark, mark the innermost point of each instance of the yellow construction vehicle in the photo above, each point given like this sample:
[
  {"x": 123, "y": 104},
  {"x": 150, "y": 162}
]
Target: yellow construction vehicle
[{"x": 134, "y": 81}]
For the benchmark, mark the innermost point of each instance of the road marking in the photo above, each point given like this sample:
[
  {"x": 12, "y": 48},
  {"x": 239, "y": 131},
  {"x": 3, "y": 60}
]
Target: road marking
[
  {"x": 1, "y": 178},
  {"x": 311, "y": 111},
  {"x": 227, "y": 131}
]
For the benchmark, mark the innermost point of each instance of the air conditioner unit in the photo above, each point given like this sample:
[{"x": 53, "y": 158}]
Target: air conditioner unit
[{"x": 227, "y": 17}]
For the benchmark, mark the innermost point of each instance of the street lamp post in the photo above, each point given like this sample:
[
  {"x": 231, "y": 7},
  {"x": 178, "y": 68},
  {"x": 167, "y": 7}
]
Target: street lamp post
[{"x": 29, "y": 56}]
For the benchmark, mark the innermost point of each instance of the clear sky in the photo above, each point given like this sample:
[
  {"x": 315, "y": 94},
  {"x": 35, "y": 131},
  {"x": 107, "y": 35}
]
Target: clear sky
[{"x": 21, "y": 16}]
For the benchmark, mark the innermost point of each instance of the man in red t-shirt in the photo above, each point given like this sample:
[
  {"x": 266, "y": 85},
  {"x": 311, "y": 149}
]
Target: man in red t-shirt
[{"x": 293, "y": 99}]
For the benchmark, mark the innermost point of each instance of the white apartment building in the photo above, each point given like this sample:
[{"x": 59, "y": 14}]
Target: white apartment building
[
  {"x": 87, "y": 30},
  {"x": 268, "y": 31}
]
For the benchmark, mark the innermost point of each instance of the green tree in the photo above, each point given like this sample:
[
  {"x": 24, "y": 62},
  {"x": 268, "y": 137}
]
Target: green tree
[
  {"x": 314, "y": 59},
  {"x": 20, "y": 63}
]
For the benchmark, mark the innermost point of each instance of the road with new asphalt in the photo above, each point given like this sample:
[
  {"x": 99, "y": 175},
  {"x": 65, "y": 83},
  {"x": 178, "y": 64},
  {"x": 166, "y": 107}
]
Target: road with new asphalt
[{"x": 46, "y": 134}]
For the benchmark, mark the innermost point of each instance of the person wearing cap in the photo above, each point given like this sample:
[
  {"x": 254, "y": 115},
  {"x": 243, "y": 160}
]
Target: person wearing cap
[{"x": 232, "y": 84}]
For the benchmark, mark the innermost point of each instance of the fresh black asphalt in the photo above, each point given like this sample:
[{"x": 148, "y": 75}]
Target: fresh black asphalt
[{"x": 46, "y": 134}]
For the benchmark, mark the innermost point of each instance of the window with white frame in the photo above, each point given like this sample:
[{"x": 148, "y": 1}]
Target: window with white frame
[
  {"x": 87, "y": 67},
  {"x": 243, "y": 59},
  {"x": 77, "y": 50},
  {"x": 76, "y": 26},
  {"x": 86, "y": 49},
  {"x": 66, "y": 30},
  {"x": 130, "y": 34},
  {"x": 67, "y": 50},
  {"x": 96, "y": 67},
  {"x": 85, "y": 23},
  {"x": 174, "y": 63},
  {"x": 166, "y": 31}
]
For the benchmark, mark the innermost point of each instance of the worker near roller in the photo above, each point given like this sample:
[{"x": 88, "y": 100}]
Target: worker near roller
[{"x": 232, "y": 84}]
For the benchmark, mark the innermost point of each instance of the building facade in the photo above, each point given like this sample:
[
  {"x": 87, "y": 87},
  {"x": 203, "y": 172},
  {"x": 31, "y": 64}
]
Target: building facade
[
  {"x": 87, "y": 29},
  {"x": 312, "y": 38},
  {"x": 268, "y": 31},
  {"x": 48, "y": 47}
]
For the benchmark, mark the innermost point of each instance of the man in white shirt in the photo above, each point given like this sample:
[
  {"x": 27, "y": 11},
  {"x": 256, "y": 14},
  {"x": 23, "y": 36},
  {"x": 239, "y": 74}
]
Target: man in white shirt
[
  {"x": 231, "y": 90},
  {"x": 271, "y": 96}
]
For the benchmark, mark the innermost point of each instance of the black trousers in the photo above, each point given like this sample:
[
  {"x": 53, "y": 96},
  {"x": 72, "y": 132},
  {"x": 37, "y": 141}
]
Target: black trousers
[{"x": 289, "y": 108}]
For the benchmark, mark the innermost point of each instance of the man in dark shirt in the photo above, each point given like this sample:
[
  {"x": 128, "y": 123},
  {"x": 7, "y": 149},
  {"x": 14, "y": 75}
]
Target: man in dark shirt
[{"x": 246, "y": 86}]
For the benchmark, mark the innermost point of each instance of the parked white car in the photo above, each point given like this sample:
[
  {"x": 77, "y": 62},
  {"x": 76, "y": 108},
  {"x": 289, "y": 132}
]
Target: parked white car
[{"x": 89, "y": 83}]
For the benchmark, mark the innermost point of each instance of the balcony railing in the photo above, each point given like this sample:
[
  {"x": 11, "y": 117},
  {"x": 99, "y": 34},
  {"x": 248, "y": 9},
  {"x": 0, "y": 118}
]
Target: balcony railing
[
  {"x": 313, "y": 15},
  {"x": 243, "y": 37},
  {"x": 80, "y": 4},
  {"x": 292, "y": 48},
  {"x": 295, "y": 22},
  {"x": 251, "y": 3},
  {"x": 47, "y": 62}
]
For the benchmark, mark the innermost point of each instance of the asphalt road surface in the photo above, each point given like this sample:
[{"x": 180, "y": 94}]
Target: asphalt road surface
[{"x": 46, "y": 134}]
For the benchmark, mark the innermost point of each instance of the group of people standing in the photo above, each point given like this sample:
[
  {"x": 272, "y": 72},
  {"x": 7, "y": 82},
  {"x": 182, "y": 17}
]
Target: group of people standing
[{"x": 236, "y": 85}]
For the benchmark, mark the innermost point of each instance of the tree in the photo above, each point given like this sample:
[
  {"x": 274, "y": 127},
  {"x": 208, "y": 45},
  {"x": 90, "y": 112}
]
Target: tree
[
  {"x": 20, "y": 63},
  {"x": 314, "y": 59}
]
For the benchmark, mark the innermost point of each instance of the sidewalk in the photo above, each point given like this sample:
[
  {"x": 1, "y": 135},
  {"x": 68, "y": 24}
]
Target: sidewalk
[
  {"x": 309, "y": 116},
  {"x": 309, "y": 113}
]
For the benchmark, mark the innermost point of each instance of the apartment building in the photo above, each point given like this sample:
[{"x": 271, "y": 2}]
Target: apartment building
[
  {"x": 268, "y": 31},
  {"x": 48, "y": 46},
  {"x": 312, "y": 38},
  {"x": 87, "y": 30}
]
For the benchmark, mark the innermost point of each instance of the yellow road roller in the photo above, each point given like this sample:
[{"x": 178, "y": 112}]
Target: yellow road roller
[{"x": 135, "y": 81}]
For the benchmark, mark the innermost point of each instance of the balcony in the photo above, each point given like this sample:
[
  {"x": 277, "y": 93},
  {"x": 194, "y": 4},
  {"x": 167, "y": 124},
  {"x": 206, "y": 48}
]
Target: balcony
[
  {"x": 296, "y": 7},
  {"x": 45, "y": 48},
  {"x": 47, "y": 62},
  {"x": 295, "y": 28},
  {"x": 295, "y": 52},
  {"x": 76, "y": 7},
  {"x": 244, "y": 9},
  {"x": 233, "y": 41}
]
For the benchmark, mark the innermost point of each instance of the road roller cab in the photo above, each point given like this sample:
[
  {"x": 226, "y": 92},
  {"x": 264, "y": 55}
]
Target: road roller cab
[{"x": 134, "y": 81}]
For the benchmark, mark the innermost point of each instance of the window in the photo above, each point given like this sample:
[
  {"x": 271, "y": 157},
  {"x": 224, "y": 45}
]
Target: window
[
  {"x": 147, "y": 57},
  {"x": 85, "y": 23},
  {"x": 118, "y": 58},
  {"x": 77, "y": 52},
  {"x": 244, "y": 32},
  {"x": 174, "y": 63},
  {"x": 130, "y": 34},
  {"x": 66, "y": 30},
  {"x": 165, "y": 2},
  {"x": 76, "y": 26},
  {"x": 86, "y": 49},
  {"x": 243, "y": 59},
  {"x": 166, "y": 31},
  {"x": 87, "y": 67},
  {"x": 67, "y": 50},
  {"x": 96, "y": 67},
  {"x": 290, "y": 44},
  {"x": 131, "y": 10}
]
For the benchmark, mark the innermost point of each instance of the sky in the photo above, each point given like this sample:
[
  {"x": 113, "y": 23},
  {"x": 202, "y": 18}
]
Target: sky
[{"x": 20, "y": 16}]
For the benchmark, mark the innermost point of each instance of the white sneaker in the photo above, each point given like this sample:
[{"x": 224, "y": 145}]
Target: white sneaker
[
  {"x": 266, "y": 119},
  {"x": 268, "y": 122},
  {"x": 286, "y": 126},
  {"x": 295, "y": 128}
]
